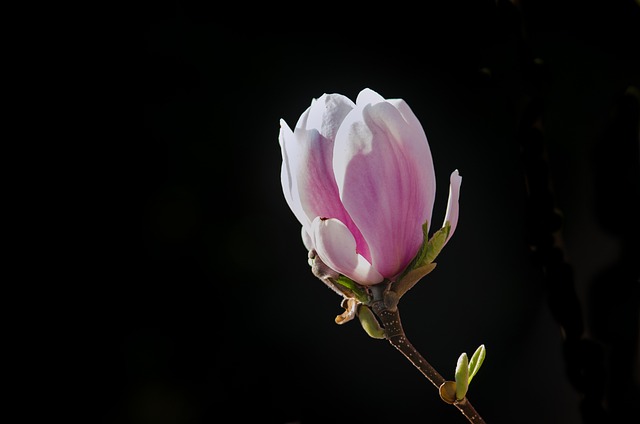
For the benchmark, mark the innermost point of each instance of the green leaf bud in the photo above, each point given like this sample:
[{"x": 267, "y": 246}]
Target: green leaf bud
[
  {"x": 462, "y": 376},
  {"x": 476, "y": 361},
  {"x": 370, "y": 323}
]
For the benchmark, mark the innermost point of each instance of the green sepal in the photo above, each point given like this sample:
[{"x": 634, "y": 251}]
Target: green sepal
[
  {"x": 422, "y": 263},
  {"x": 409, "y": 279},
  {"x": 462, "y": 376},
  {"x": 436, "y": 243},
  {"x": 359, "y": 292},
  {"x": 369, "y": 322},
  {"x": 476, "y": 361},
  {"x": 418, "y": 260}
]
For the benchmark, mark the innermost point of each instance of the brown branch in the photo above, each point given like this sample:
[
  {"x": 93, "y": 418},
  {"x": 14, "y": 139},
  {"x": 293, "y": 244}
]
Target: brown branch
[{"x": 389, "y": 316}]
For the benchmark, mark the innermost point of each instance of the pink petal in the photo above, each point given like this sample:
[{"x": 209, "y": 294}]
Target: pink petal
[
  {"x": 312, "y": 170},
  {"x": 337, "y": 248},
  {"x": 317, "y": 188},
  {"x": 417, "y": 146},
  {"x": 383, "y": 170},
  {"x": 307, "y": 175}
]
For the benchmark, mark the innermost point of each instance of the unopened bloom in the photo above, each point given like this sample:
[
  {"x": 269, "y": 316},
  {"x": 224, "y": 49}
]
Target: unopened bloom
[{"x": 360, "y": 179}]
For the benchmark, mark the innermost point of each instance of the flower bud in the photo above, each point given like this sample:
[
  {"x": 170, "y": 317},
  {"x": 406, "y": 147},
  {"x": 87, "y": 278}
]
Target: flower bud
[{"x": 359, "y": 177}]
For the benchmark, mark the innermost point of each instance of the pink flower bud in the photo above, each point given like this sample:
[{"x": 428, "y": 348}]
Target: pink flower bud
[{"x": 360, "y": 179}]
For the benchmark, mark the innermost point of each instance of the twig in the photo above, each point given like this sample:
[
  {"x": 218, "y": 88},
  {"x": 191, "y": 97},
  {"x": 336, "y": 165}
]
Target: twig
[{"x": 389, "y": 317}]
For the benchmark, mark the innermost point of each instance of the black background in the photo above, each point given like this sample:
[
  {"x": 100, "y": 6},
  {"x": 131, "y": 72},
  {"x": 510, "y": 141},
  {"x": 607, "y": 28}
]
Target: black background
[{"x": 216, "y": 316}]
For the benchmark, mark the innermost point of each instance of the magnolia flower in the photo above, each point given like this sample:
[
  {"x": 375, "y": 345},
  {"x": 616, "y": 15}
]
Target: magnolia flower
[{"x": 360, "y": 179}]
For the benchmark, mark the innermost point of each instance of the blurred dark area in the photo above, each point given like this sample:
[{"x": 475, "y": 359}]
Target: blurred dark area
[{"x": 215, "y": 315}]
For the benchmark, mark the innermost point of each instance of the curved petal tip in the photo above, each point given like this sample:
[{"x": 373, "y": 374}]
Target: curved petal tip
[{"x": 452, "y": 206}]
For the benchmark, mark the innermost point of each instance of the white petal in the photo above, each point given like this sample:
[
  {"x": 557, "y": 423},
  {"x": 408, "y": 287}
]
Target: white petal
[
  {"x": 368, "y": 96},
  {"x": 307, "y": 240},
  {"x": 327, "y": 113},
  {"x": 336, "y": 246},
  {"x": 452, "y": 206},
  {"x": 288, "y": 173}
]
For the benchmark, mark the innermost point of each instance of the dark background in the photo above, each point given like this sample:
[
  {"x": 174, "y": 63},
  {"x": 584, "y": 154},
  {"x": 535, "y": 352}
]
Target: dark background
[{"x": 216, "y": 316}]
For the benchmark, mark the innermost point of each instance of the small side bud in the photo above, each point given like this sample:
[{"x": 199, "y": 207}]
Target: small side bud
[{"x": 370, "y": 323}]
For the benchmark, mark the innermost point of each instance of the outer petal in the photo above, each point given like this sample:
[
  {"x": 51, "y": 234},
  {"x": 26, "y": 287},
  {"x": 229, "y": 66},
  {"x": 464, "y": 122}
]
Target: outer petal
[
  {"x": 307, "y": 240},
  {"x": 337, "y": 248},
  {"x": 417, "y": 147},
  {"x": 452, "y": 205},
  {"x": 314, "y": 191},
  {"x": 368, "y": 96},
  {"x": 307, "y": 175},
  {"x": 378, "y": 162},
  {"x": 290, "y": 163},
  {"x": 314, "y": 135},
  {"x": 326, "y": 114},
  {"x": 415, "y": 144}
]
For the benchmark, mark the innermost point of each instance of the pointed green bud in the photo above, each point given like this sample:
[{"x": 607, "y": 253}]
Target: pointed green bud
[
  {"x": 370, "y": 323},
  {"x": 462, "y": 376},
  {"x": 476, "y": 361}
]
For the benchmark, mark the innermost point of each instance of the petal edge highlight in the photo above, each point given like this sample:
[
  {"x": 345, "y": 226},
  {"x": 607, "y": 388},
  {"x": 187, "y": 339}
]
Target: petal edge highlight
[{"x": 452, "y": 206}]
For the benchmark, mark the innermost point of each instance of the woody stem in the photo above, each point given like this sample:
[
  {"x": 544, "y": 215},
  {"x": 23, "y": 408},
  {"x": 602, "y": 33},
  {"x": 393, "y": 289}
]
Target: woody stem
[{"x": 389, "y": 317}]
